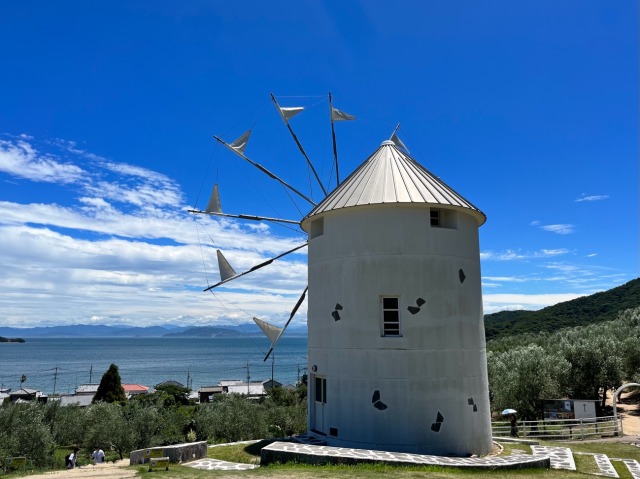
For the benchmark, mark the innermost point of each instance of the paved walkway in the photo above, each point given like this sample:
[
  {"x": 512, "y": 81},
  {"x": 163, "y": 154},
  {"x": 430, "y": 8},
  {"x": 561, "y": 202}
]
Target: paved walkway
[{"x": 554, "y": 457}]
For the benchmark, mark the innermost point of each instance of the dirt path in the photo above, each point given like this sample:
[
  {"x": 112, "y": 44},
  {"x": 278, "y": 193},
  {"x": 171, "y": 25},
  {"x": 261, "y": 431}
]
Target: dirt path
[
  {"x": 102, "y": 471},
  {"x": 629, "y": 406}
]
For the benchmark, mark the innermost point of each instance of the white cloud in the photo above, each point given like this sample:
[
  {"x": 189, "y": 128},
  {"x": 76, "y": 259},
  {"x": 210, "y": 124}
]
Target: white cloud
[
  {"x": 561, "y": 229},
  {"x": 554, "y": 252},
  {"x": 127, "y": 252},
  {"x": 508, "y": 255},
  {"x": 584, "y": 197},
  {"x": 511, "y": 255},
  {"x": 49, "y": 277},
  {"x": 500, "y": 302},
  {"x": 22, "y": 160},
  {"x": 505, "y": 279}
]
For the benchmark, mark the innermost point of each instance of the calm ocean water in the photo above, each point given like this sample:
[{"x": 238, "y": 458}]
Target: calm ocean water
[{"x": 148, "y": 361}]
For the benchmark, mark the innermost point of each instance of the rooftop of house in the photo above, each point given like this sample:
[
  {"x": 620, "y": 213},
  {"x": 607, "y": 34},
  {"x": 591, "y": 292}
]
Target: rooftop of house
[
  {"x": 135, "y": 388},
  {"x": 82, "y": 400},
  {"x": 87, "y": 389}
]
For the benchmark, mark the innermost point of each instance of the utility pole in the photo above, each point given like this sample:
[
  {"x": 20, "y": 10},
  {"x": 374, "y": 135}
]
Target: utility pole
[
  {"x": 188, "y": 377},
  {"x": 90, "y": 374},
  {"x": 248, "y": 380},
  {"x": 55, "y": 379},
  {"x": 273, "y": 362}
]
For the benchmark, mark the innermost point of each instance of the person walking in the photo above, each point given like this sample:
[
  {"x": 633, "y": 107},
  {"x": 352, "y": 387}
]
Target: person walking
[
  {"x": 98, "y": 455},
  {"x": 71, "y": 459},
  {"x": 514, "y": 425}
]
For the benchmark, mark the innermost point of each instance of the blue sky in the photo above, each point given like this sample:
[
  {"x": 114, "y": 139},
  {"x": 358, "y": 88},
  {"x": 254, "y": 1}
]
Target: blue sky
[{"x": 107, "y": 111}]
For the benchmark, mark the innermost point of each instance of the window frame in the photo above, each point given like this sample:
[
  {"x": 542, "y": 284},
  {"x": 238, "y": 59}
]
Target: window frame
[{"x": 390, "y": 328}]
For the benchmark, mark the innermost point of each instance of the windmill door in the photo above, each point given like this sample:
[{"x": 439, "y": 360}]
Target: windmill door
[{"x": 320, "y": 400}]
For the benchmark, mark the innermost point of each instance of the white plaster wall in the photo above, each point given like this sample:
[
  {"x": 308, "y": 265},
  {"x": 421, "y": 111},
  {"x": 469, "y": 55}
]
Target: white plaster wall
[{"x": 437, "y": 365}]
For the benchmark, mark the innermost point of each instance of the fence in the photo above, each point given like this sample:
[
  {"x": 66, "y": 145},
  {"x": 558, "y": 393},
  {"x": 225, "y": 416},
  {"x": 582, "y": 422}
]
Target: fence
[{"x": 561, "y": 429}]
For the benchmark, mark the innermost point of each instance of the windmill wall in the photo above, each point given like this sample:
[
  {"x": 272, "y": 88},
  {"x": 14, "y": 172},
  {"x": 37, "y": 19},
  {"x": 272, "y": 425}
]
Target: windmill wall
[{"x": 422, "y": 387}]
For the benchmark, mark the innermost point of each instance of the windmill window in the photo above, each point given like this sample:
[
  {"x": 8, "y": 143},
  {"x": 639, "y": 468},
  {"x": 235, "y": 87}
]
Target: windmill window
[
  {"x": 443, "y": 218},
  {"x": 435, "y": 217},
  {"x": 390, "y": 316},
  {"x": 317, "y": 228}
]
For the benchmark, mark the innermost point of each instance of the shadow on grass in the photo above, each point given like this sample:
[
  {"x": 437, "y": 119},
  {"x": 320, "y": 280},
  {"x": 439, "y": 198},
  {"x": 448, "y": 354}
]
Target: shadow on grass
[{"x": 255, "y": 448}]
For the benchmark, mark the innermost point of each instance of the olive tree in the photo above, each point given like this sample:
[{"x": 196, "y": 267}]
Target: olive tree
[
  {"x": 106, "y": 426},
  {"x": 521, "y": 377},
  {"x": 24, "y": 432}
]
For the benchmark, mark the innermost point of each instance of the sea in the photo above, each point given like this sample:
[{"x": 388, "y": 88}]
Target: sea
[{"x": 60, "y": 365}]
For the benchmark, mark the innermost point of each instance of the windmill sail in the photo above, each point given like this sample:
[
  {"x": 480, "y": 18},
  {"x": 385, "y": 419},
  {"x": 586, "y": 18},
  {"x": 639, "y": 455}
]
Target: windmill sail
[
  {"x": 263, "y": 169},
  {"x": 241, "y": 143},
  {"x": 289, "y": 112},
  {"x": 293, "y": 313},
  {"x": 398, "y": 141},
  {"x": 337, "y": 115},
  {"x": 214, "y": 201},
  {"x": 235, "y": 275},
  {"x": 226, "y": 271},
  {"x": 270, "y": 331},
  {"x": 286, "y": 114}
]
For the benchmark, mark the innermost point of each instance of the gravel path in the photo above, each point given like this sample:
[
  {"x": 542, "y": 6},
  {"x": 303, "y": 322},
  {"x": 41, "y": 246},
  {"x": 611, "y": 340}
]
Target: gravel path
[{"x": 109, "y": 470}]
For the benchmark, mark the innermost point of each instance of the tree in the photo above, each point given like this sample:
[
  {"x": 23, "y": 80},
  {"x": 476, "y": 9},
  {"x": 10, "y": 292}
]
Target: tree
[
  {"x": 23, "y": 432},
  {"x": 105, "y": 425},
  {"x": 172, "y": 394},
  {"x": 521, "y": 377},
  {"x": 110, "y": 388}
]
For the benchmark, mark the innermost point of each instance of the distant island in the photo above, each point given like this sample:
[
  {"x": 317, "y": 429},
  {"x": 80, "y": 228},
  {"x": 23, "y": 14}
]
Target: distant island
[{"x": 11, "y": 340}]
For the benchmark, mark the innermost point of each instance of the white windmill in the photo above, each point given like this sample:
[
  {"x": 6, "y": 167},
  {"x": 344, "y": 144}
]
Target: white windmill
[{"x": 396, "y": 346}]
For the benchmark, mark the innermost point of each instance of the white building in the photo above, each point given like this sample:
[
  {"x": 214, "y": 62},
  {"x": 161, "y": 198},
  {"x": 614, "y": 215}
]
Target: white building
[{"x": 397, "y": 356}]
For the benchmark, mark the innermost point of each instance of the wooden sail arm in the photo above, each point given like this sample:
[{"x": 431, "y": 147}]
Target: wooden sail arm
[
  {"x": 295, "y": 138},
  {"x": 245, "y": 217},
  {"x": 293, "y": 312},
  {"x": 256, "y": 267},
  {"x": 265, "y": 171}
]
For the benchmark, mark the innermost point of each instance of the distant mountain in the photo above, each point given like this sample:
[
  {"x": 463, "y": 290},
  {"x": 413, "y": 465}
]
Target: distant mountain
[
  {"x": 103, "y": 331},
  {"x": 208, "y": 332},
  {"x": 85, "y": 331},
  {"x": 603, "y": 306}
]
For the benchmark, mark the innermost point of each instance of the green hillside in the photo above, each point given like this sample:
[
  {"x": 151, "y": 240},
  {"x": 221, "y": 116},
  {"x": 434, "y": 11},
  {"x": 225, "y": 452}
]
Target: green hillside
[{"x": 597, "y": 307}]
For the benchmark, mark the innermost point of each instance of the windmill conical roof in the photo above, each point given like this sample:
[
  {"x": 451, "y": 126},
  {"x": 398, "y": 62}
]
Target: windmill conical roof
[{"x": 390, "y": 176}]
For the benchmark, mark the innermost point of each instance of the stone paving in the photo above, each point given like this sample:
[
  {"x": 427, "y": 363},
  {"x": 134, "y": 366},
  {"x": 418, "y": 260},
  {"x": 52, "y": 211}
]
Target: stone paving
[
  {"x": 633, "y": 466},
  {"x": 216, "y": 465},
  {"x": 278, "y": 451},
  {"x": 603, "y": 462},
  {"x": 542, "y": 456},
  {"x": 561, "y": 457}
]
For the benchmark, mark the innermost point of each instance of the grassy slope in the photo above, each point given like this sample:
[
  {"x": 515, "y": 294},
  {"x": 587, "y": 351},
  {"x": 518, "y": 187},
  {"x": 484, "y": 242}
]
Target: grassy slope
[
  {"x": 597, "y": 307},
  {"x": 585, "y": 464}
]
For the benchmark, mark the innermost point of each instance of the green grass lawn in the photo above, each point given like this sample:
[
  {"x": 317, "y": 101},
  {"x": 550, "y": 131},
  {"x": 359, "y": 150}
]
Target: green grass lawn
[{"x": 586, "y": 465}]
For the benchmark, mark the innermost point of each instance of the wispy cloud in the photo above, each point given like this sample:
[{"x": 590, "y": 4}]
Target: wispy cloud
[
  {"x": 511, "y": 255},
  {"x": 22, "y": 160},
  {"x": 508, "y": 255},
  {"x": 561, "y": 229},
  {"x": 553, "y": 252},
  {"x": 584, "y": 197}
]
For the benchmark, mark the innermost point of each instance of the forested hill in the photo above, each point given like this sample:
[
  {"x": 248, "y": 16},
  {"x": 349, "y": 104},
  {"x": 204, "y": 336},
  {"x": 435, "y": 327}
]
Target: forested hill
[{"x": 597, "y": 307}]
